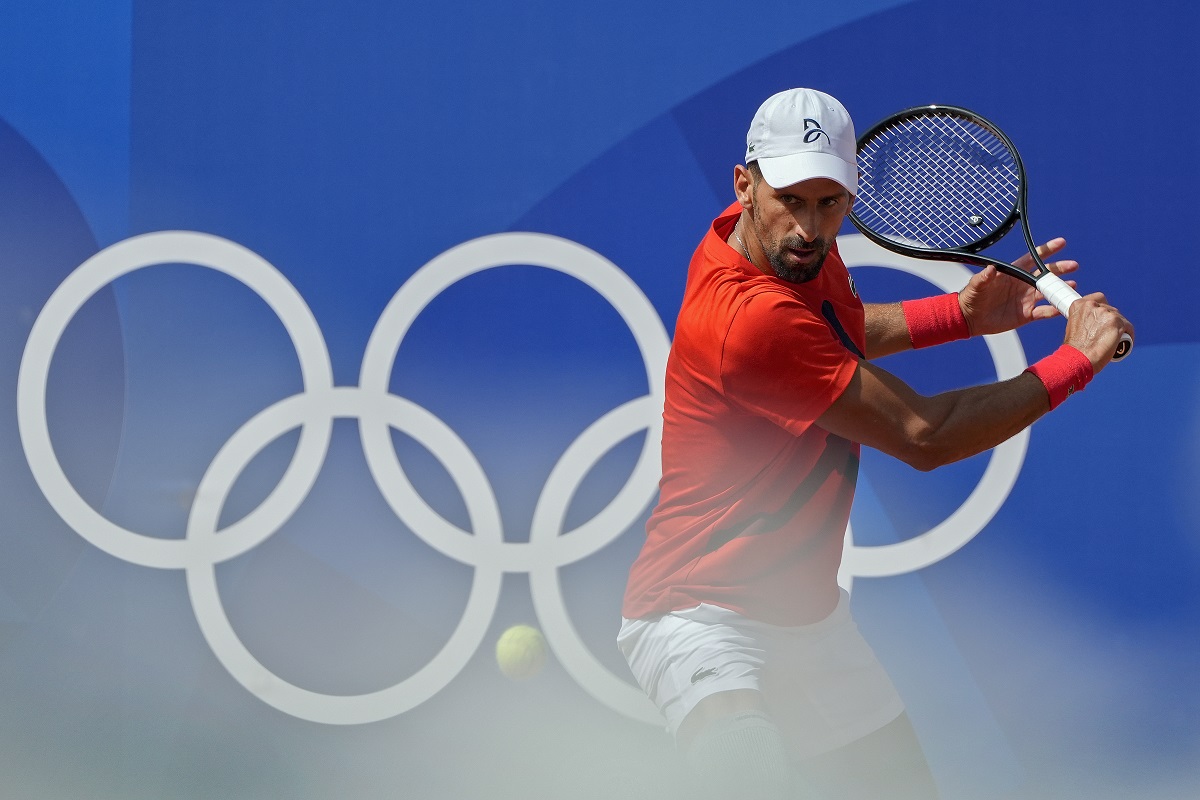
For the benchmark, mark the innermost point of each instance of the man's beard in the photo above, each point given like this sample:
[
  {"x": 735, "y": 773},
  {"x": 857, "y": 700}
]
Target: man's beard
[
  {"x": 777, "y": 255},
  {"x": 798, "y": 273}
]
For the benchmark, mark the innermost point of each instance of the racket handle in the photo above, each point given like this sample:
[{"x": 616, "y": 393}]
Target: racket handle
[{"x": 1061, "y": 296}]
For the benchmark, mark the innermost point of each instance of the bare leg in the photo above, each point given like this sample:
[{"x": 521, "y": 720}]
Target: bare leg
[
  {"x": 886, "y": 764},
  {"x": 735, "y": 750}
]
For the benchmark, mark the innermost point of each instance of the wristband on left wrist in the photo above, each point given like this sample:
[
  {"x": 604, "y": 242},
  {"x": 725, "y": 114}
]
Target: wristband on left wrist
[{"x": 935, "y": 320}]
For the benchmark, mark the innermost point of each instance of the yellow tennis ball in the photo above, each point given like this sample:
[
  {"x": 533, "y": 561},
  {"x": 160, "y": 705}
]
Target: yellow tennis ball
[{"x": 521, "y": 652}]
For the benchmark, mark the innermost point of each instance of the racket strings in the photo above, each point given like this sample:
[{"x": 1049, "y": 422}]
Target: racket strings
[{"x": 936, "y": 181}]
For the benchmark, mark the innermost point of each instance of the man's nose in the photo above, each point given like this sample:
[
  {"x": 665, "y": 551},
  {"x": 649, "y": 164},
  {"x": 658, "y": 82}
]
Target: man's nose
[{"x": 806, "y": 225}]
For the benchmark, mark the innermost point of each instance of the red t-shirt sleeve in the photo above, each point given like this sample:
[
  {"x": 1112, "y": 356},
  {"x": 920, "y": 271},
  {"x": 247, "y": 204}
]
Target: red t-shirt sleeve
[{"x": 782, "y": 362}]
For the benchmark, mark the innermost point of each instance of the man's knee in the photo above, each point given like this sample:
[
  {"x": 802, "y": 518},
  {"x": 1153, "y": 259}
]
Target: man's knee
[{"x": 741, "y": 755}]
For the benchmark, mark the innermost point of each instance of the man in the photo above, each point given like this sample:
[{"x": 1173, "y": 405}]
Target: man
[{"x": 734, "y": 623}]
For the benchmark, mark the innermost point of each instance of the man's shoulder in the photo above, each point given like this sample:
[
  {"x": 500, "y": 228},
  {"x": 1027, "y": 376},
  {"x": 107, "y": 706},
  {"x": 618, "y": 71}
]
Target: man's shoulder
[
  {"x": 769, "y": 314},
  {"x": 721, "y": 293}
]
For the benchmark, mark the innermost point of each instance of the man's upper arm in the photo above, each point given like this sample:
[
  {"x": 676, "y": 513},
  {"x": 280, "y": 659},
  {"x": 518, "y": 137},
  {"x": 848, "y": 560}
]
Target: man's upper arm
[{"x": 878, "y": 410}]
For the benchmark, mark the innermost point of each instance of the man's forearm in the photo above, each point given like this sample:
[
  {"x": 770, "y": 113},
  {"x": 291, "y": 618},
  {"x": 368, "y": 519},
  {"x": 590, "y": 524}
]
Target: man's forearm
[{"x": 886, "y": 330}]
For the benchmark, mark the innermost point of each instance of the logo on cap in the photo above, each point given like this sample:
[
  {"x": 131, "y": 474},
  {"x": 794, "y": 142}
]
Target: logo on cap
[{"x": 813, "y": 131}]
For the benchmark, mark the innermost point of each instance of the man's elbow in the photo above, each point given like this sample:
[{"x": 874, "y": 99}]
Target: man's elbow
[
  {"x": 922, "y": 460},
  {"x": 923, "y": 450}
]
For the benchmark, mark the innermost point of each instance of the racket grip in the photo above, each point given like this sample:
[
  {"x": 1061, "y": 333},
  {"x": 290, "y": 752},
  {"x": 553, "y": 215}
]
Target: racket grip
[{"x": 1061, "y": 296}]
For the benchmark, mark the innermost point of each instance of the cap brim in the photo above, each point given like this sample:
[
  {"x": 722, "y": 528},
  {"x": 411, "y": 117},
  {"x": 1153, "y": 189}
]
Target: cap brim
[{"x": 784, "y": 171}]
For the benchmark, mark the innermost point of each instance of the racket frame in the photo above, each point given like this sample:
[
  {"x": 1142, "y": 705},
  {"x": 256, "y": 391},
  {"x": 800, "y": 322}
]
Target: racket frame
[
  {"x": 1056, "y": 291},
  {"x": 971, "y": 251}
]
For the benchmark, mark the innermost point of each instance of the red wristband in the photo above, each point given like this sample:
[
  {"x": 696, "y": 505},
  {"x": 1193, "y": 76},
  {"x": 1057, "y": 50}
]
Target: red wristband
[
  {"x": 935, "y": 320},
  {"x": 1063, "y": 372}
]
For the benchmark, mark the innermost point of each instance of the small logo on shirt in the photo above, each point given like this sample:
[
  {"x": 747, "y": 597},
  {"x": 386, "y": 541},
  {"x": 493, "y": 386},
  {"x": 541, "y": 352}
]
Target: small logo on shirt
[
  {"x": 703, "y": 673},
  {"x": 853, "y": 288}
]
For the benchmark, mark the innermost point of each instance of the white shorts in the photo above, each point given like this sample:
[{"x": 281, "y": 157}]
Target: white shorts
[{"x": 821, "y": 683}]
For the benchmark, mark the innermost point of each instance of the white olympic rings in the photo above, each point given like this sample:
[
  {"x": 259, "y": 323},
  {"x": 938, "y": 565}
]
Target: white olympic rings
[{"x": 378, "y": 410}]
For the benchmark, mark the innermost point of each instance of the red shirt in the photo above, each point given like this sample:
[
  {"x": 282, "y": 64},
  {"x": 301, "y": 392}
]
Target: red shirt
[{"x": 754, "y": 497}]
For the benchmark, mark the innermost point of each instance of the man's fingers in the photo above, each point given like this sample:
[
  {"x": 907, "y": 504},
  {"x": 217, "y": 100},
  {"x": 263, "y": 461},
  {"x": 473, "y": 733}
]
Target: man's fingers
[
  {"x": 1044, "y": 251},
  {"x": 1051, "y": 247}
]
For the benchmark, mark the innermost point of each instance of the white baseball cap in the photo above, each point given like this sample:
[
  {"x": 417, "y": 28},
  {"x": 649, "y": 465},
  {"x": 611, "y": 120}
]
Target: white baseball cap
[{"x": 802, "y": 134}]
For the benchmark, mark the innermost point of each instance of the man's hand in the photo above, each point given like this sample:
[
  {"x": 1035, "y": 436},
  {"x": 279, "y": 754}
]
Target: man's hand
[
  {"x": 993, "y": 302},
  {"x": 1094, "y": 329}
]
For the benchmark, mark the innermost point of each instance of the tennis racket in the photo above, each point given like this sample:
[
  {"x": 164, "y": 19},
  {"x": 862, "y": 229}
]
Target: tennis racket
[{"x": 943, "y": 183}]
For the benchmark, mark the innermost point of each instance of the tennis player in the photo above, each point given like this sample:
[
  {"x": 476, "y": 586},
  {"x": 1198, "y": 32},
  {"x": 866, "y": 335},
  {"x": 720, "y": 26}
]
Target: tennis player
[{"x": 734, "y": 623}]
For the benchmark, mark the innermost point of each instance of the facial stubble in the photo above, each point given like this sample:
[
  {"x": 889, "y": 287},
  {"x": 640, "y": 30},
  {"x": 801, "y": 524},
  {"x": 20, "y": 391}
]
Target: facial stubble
[{"x": 777, "y": 254}]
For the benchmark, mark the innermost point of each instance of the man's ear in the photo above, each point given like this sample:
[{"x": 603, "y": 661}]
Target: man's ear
[{"x": 743, "y": 186}]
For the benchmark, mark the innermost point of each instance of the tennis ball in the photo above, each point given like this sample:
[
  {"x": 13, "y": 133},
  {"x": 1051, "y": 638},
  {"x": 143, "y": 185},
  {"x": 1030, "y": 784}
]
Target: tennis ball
[{"x": 521, "y": 652}]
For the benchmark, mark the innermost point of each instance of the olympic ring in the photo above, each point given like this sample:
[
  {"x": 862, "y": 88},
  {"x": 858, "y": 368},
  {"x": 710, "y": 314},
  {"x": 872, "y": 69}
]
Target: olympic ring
[
  {"x": 94, "y": 274},
  {"x": 1003, "y": 467},
  {"x": 484, "y": 547}
]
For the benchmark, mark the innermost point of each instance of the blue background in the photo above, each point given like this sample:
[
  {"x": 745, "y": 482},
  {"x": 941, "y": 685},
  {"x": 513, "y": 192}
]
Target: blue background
[{"x": 1054, "y": 656}]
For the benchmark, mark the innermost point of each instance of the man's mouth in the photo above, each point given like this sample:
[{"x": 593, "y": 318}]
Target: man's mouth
[{"x": 803, "y": 254}]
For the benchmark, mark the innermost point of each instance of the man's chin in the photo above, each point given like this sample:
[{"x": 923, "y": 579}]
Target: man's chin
[{"x": 798, "y": 273}]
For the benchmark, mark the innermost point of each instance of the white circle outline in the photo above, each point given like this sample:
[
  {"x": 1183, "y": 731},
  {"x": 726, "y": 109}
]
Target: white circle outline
[
  {"x": 469, "y": 258},
  {"x": 484, "y": 595},
  {"x": 1004, "y": 465},
  {"x": 115, "y": 261}
]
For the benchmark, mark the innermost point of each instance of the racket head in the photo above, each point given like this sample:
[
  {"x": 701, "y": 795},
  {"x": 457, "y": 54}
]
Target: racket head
[{"x": 938, "y": 181}]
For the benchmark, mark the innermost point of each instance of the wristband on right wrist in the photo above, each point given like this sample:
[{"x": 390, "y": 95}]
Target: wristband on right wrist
[{"x": 1063, "y": 372}]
